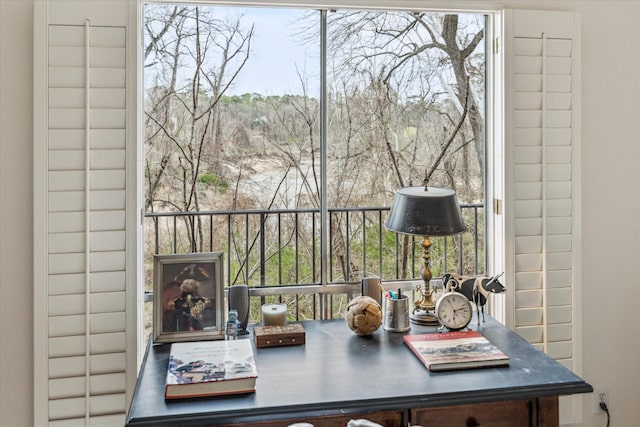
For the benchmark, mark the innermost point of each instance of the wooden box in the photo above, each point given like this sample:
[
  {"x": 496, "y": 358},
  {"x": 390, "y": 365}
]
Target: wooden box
[{"x": 273, "y": 336}]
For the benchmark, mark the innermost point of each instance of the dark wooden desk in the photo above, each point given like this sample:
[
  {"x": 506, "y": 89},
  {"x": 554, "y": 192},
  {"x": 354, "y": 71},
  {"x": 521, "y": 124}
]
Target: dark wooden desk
[{"x": 337, "y": 376}]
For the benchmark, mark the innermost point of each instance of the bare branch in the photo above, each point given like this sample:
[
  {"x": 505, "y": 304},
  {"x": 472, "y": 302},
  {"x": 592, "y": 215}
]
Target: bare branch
[{"x": 453, "y": 135}]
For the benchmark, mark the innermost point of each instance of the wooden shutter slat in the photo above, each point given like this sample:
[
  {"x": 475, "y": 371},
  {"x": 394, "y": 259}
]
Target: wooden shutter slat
[
  {"x": 106, "y": 302},
  {"x": 64, "y": 325},
  {"x": 65, "y": 388},
  {"x": 105, "y": 281},
  {"x": 62, "y": 367},
  {"x": 107, "y": 159}
]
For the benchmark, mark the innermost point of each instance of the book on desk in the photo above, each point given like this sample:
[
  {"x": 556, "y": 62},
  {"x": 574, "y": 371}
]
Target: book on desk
[
  {"x": 210, "y": 368},
  {"x": 455, "y": 350}
]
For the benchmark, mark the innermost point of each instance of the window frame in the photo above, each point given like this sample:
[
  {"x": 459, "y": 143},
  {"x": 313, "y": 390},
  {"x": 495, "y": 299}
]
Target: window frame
[{"x": 493, "y": 171}]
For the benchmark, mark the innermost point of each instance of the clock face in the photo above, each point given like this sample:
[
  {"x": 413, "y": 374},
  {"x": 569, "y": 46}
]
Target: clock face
[{"x": 454, "y": 310}]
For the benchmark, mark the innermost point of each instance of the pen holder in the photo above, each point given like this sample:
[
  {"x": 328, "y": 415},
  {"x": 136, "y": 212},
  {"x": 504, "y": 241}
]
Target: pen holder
[{"x": 396, "y": 314}]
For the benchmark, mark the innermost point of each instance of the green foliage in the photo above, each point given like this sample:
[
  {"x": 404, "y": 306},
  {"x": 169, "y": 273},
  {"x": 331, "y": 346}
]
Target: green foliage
[
  {"x": 245, "y": 98},
  {"x": 212, "y": 180},
  {"x": 381, "y": 253}
]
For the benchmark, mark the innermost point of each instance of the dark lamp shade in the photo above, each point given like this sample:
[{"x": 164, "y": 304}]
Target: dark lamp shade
[{"x": 416, "y": 211}]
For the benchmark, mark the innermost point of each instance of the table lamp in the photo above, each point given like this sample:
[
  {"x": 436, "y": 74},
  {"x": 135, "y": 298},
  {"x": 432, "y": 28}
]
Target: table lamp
[{"x": 425, "y": 211}]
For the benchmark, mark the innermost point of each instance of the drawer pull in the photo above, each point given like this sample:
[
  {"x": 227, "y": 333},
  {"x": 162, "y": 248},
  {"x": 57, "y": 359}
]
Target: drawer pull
[{"x": 471, "y": 422}]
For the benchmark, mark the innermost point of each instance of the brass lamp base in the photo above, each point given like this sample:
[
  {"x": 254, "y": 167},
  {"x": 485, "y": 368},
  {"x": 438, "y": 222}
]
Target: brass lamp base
[
  {"x": 424, "y": 309},
  {"x": 425, "y": 318}
]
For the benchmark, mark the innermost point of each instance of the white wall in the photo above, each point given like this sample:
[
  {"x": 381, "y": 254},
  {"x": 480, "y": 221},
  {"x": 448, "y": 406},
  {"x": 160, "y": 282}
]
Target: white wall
[
  {"x": 611, "y": 202},
  {"x": 610, "y": 153},
  {"x": 16, "y": 206}
]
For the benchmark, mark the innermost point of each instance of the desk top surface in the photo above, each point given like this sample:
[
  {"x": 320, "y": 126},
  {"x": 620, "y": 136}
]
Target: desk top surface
[{"x": 336, "y": 371}]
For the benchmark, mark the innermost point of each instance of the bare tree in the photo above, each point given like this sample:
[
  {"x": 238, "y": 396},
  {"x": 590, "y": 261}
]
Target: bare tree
[
  {"x": 195, "y": 57},
  {"x": 410, "y": 54},
  {"x": 399, "y": 65},
  {"x": 404, "y": 95}
]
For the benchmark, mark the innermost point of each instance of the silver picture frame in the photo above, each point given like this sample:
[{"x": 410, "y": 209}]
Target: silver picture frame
[{"x": 188, "y": 297}]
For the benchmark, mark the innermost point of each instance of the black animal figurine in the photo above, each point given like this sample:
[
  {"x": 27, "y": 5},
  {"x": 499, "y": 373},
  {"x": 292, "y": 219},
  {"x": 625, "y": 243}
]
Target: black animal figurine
[{"x": 476, "y": 288}]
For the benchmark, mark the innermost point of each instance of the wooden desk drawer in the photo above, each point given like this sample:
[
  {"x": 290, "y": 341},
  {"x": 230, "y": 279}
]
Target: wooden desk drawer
[
  {"x": 542, "y": 412},
  {"x": 387, "y": 419}
]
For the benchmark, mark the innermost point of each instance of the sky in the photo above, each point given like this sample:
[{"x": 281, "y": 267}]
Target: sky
[
  {"x": 279, "y": 57},
  {"x": 277, "y": 54}
]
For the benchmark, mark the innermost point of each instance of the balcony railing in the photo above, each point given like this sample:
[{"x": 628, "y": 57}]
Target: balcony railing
[{"x": 278, "y": 252}]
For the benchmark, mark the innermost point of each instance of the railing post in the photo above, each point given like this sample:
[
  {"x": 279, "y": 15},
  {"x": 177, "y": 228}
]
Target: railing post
[
  {"x": 156, "y": 228},
  {"x": 363, "y": 269},
  {"x": 262, "y": 249},
  {"x": 229, "y": 250},
  {"x": 246, "y": 248},
  {"x": 175, "y": 233}
]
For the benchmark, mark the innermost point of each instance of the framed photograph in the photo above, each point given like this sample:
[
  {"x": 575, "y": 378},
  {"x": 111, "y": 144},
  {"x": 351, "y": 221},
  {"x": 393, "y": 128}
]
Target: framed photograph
[{"x": 188, "y": 297}]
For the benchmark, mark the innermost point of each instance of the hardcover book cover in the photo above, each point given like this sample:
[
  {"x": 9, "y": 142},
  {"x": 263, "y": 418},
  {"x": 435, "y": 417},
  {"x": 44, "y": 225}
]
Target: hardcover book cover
[
  {"x": 210, "y": 368},
  {"x": 455, "y": 350}
]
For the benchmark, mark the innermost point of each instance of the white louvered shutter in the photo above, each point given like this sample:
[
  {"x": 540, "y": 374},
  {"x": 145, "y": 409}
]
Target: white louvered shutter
[
  {"x": 542, "y": 145},
  {"x": 81, "y": 346}
]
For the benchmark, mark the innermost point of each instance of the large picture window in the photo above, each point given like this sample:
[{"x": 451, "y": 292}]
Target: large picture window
[
  {"x": 279, "y": 137},
  {"x": 288, "y": 168}
]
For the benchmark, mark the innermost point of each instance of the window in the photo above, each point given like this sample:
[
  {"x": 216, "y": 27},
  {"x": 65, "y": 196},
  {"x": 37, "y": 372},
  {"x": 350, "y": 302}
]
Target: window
[
  {"x": 85, "y": 332},
  {"x": 279, "y": 137}
]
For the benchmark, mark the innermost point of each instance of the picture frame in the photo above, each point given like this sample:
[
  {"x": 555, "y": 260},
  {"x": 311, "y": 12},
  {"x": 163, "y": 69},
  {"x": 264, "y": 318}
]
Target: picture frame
[{"x": 188, "y": 297}]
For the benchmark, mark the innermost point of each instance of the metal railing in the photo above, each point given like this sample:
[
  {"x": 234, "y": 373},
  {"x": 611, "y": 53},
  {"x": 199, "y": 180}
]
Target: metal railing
[{"x": 277, "y": 252}]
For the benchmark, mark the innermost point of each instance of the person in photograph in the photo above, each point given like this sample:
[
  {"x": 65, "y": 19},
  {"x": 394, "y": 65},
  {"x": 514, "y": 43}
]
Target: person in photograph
[{"x": 188, "y": 306}]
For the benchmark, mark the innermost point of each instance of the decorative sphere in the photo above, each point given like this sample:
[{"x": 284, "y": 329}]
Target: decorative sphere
[{"x": 363, "y": 315}]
